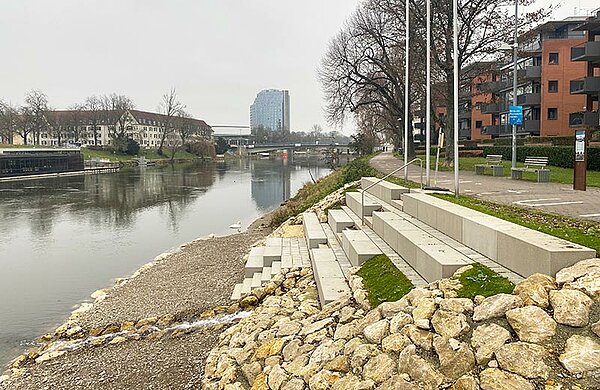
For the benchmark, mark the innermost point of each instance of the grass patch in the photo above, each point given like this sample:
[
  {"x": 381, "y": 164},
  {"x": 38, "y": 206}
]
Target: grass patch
[
  {"x": 149, "y": 154},
  {"x": 312, "y": 193},
  {"x": 586, "y": 233},
  {"x": 383, "y": 281},
  {"x": 480, "y": 280}
]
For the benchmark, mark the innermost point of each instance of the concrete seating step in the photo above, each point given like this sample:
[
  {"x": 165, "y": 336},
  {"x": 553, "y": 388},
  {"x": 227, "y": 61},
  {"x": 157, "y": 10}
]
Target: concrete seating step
[
  {"x": 275, "y": 268},
  {"x": 271, "y": 254},
  {"x": 267, "y": 273},
  {"x": 339, "y": 220},
  {"x": 246, "y": 286},
  {"x": 237, "y": 292},
  {"x": 358, "y": 246},
  {"x": 274, "y": 241},
  {"x": 397, "y": 204},
  {"x": 330, "y": 280},
  {"x": 255, "y": 262},
  {"x": 287, "y": 262},
  {"x": 296, "y": 261},
  {"x": 256, "y": 280},
  {"x": 383, "y": 190},
  {"x": 313, "y": 232},
  {"x": 354, "y": 199}
]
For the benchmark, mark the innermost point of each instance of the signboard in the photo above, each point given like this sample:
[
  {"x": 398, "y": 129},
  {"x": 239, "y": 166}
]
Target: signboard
[
  {"x": 515, "y": 115},
  {"x": 580, "y": 145}
]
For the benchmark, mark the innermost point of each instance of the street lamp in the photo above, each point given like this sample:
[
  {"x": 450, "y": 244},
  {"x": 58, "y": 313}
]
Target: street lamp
[
  {"x": 515, "y": 47},
  {"x": 406, "y": 90},
  {"x": 428, "y": 99},
  {"x": 456, "y": 70}
]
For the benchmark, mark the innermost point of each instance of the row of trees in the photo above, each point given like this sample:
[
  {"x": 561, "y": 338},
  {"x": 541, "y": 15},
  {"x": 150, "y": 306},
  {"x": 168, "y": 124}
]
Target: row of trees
[
  {"x": 36, "y": 117},
  {"x": 316, "y": 133},
  {"x": 362, "y": 72}
]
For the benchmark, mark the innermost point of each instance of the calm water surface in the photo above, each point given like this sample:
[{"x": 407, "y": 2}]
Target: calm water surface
[{"x": 63, "y": 238}]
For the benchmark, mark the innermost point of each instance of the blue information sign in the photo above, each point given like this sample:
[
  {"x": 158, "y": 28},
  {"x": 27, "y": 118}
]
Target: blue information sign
[{"x": 515, "y": 115}]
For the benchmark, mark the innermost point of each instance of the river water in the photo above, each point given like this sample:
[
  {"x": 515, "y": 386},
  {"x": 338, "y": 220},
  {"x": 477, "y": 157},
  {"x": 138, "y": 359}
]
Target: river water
[{"x": 63, "y": 238}]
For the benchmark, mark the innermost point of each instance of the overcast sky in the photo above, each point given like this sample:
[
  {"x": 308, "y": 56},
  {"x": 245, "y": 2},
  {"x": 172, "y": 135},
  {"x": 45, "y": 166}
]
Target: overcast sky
[{"x": 217, "y": 53}]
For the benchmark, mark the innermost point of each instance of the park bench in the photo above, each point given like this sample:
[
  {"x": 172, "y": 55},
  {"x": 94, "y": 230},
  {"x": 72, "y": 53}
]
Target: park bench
[
  {"x": 533, "y": 164},
  {"x": 493, "y": 161}
]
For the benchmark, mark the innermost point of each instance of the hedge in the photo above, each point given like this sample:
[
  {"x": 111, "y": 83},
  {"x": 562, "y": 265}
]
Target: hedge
[{"x": 558, "y": 156}]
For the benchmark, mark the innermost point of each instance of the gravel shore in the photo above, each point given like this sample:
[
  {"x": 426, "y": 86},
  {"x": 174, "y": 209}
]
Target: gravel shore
[{"x": 199, "y": 277}]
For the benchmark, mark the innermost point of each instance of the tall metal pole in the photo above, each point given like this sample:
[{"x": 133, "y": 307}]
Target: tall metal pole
[
  {"x": 456, "y": 86},
  {"x": 428, "y": 100},
  {"x": 406, "y": 64},
  {"x": 515, "y": 47}
]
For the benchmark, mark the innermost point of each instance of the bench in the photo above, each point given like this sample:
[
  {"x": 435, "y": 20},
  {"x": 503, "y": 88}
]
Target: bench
[
  {"x": 533, "y": 164},
  {"x": 493, "y": 161}
]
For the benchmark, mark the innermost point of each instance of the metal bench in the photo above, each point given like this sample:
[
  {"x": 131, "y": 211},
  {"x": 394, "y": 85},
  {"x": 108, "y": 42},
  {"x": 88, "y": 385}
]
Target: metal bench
[
  {"x": 533, "y": 164},
  {"x": 493, "y": 161}
]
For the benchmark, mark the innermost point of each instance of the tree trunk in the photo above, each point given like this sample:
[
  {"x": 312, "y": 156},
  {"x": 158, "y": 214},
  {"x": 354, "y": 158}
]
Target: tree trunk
[{"x": 449, "y": 126}]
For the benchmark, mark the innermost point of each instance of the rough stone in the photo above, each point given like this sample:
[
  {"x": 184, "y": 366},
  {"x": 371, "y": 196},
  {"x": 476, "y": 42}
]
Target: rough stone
[
  {"x": 423, "y": 312},
  {"x": 390, "y": 309},
  {"x": 251, "y": 371},
  {"x": 457, "y": 305},
  {"x": 370, "y": 318},
  {"x": 294, "y": 384},
  {"x": 395, "y": 342},
  {"x": 455, "y": 359},
  {"x": 415, "y": 295},
  {"x": 524, "y": 359},
  {"x": 570, "y": 274},
  {"x": 596, "y": 328},
  {"x": 450, "y": 324},
  {"x": 324, "y": 352},
  {"x": 465, "y": 382},
  {"x": 581, "y": 354},
  {"x": 531, "y": 324},
  {"x": 496, "y": 379},
  {"x": 289, "y": 328},
  {"x": 374, "y": 333},
  {"x": 588, "y": 284},
  {"x": 269, "y": 348},
  {"x": 421, "y": 338},
  {"x": 486, "y": 340},
  {"x": 534, "y": 290},
  {"x": 361, "y": 355},
  {"x": 418, "y": 368},
  {"x": 165, "y": 320},
  {"x": 277, "y": 377},
  {"x": 338, "y": 363},
  {"x": 316, "y": 326},
  {"x": 399, "y": 321},
  {"x": 345, "y": 331},
  {"x": 397, "y": 382},
  {"x": 260, "y": 383},
  {"x": 248, "y": 301},
  {"x": 380, "y": 368},
  {"x": 571, "y": 307},
  {"x": 323, "y": 380},
  {"x": 496, "y": 306},
  {"x": 347, "y": 314}
]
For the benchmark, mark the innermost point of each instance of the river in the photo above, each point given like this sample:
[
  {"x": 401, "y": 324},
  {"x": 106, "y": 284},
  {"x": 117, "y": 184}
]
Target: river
[{"x": 63, "y": 238}]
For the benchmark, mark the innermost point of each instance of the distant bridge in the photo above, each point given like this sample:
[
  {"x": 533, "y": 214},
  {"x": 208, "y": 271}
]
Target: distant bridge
[{"x": 263, "y": 148}]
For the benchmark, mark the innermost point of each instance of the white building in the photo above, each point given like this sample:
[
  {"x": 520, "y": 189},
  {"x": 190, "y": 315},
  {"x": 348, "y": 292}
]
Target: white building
[{"x": 271, "y": 110}]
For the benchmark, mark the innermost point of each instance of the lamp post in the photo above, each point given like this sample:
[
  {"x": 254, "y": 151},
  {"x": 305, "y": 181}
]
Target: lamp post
[
  {"x": 515, "y": 47},
  {"x": 455, "y": 108},
  {"x": 406, "y": 90},
  {"x": 428, "y": 100}
]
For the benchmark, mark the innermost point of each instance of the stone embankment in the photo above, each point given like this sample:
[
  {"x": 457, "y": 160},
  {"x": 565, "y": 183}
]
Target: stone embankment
[{"x": 546, "y": 335}]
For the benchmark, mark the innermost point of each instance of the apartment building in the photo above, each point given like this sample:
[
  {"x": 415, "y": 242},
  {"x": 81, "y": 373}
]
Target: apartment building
[{"x": 271, "y": 110}]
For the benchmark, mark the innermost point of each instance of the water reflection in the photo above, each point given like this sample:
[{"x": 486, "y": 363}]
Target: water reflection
[{"x": 62, "y": 238}]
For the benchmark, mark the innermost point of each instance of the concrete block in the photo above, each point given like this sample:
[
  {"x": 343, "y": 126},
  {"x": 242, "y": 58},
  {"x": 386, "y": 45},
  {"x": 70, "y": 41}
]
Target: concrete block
[
  {"x": 271, "y": 254},
  {"x": 349, "y": 235},
  {"x": 437, "y": 261},
  {"x": 398, "y": 204},
  {"x": 354, "y": 199},
  {"x": 481, "y": 233},
  {"x": 247, "y": 286},
  {"x": 313, "y": 232},
  {"x": 338, "y": 220},
  {"x": 274, "y": 241},
  {"x": 527, "y": 251},
  {"x": 331, "y": 289},
  {"x": 255, "y": 261},
  {"x": 379, "y": 219},
  {"x": 383, "y": 190},
  {"x": 237, "y": 292},
  {"x": 391, "y": 231},
  {"x": 322, "y": 255},
  {"x": 266, "y": 274},
  {"x": 275, "y": 268},
  {"x": 361, "y": 251},
  {"x": 256, "y": 280},
  {"x": 410, "y": 205},
  {"x": 328, "y": 269},
  {"x": 287, "y": 262},
  {"x": 409, "y": 241}
]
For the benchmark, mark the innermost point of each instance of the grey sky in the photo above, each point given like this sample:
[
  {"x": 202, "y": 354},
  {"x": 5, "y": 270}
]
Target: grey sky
[{"x": 217, "y": 53}]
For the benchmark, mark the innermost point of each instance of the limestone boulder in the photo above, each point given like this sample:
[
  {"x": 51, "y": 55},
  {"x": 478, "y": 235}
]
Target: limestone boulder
[
  {"x": 399, "y": 321},
  {"x": 486, "y": 340},
  {"x": 423, "y": 312},
  {"x": 524, "y": 359},
  {"x": 323, "y": 380},
  {"x": 450, "y": 324},
  {"x": 380, "y": 368},
  {"x": 496, "y": 379},
  {"x": 390, "y": 309},
  {"x": 534, "y": 290},
  {"x": 415, "y": 295},
  {"x": 581, "y": 354},
  {"x": 596, "y": 328},
  {"x": 496, "y": 306},
  {"x": 576, "y": 271},
  {"x": 397, "y": 382},
  {"x": 374, "y": 333},
  {"x": 277, "y": 377},
  {"x": 456, "y": 358},
  {"x": 419, "y": 337},
  {"x": 395, "y": 343},
  {"x": 465, "y": 382},
  {"x": 457, "y": 305},
  {"x": 571, "y": 307},
  {"x": 418, "y": 369},
  {"x": 531, "y": 324},
  {"x": 588, "y": 284}
]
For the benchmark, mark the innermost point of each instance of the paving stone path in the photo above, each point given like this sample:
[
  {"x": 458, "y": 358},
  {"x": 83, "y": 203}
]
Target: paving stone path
[{"x": 549, "y": 197}]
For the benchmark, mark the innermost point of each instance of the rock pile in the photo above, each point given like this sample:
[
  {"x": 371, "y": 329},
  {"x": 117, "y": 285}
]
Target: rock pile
[{"x": 546, "y": 335}]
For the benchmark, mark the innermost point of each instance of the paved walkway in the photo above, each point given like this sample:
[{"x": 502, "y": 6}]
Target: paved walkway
[{"x": 549, "y": 197}]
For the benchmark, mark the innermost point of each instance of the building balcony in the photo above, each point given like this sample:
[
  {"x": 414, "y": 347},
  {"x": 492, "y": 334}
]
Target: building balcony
[
  {"x": 464, "y": 132},
  {"x": 584, "y": 119},
  {"x": 464, "y": 114},
  {"x": 586, "y": 85},
  {"x": 493, "y": 108},
  {"x": 533, "y": 72},
  {"x": 531, "y": 126},
  {"x": 589, "y": 51},
  {"x": 529, "y": 99},
  {"x": 495, "y": 86},
  {"x": 497, "y": 130}
]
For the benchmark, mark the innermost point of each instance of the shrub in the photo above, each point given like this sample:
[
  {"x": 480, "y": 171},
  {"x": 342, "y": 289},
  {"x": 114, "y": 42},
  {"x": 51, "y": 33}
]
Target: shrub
[
  {"x": 558, "y": 156},
  {"x": 133, "y": 147}
]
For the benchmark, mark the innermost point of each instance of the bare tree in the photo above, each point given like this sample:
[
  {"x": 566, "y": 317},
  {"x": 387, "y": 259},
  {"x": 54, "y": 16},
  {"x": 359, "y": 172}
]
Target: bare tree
[
  {"x": 37, "y": 103},
  {"x": 26, "y": 123},
  {"x": 9, "y": 121},
  {"x": 169, "y": 107},
  {"x": 116, "y": 108},
  {"x": 94, "y": 115},
  {"x": 75, "y": 122}
]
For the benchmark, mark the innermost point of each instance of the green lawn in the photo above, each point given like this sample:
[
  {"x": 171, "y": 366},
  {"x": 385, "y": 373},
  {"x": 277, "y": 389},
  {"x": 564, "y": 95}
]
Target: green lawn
[
  {"x": 586, "y": 233},
  {"x": 480, "y": 280},
  {"x": 150, "y": 154},
  {"x": 557, "y": 174},
  {"x": 383, "y": 281}
]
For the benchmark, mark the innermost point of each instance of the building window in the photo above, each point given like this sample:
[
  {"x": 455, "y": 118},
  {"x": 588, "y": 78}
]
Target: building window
[
  {"x": 478, "y": 124},
  {"x": 552, "y": 114},
  {"x": 553, "y": 58},
  {"x": 553, "y": 86}
]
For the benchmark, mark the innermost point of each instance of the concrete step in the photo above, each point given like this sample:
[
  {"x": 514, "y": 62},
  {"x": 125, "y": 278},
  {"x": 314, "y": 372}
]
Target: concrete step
[
  {"x": 267, "y": 273},
  {"x": 287, "y": 262},
  {"x": 296, "y": 261},
  {"x": 271, "y": 254},
  {"x": 330, "y": 280},
  {"x": 354, "y": 199},
  {"x": 246, "y": 286},
  {"x": 338, "y": 220},
  {"x": 275, "y": 268},
  {"x": 383, "y": 190},
  {"x": 255, "y": 262},
  {"x": 237, "y": 292},
  {"x": 256, "y": 280},
  {"x": 313, "y": 232},
  {"x": 398, "y": 204},
  {"x": 274, "y": 241},
  {"x": 358, "y": 246}
]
